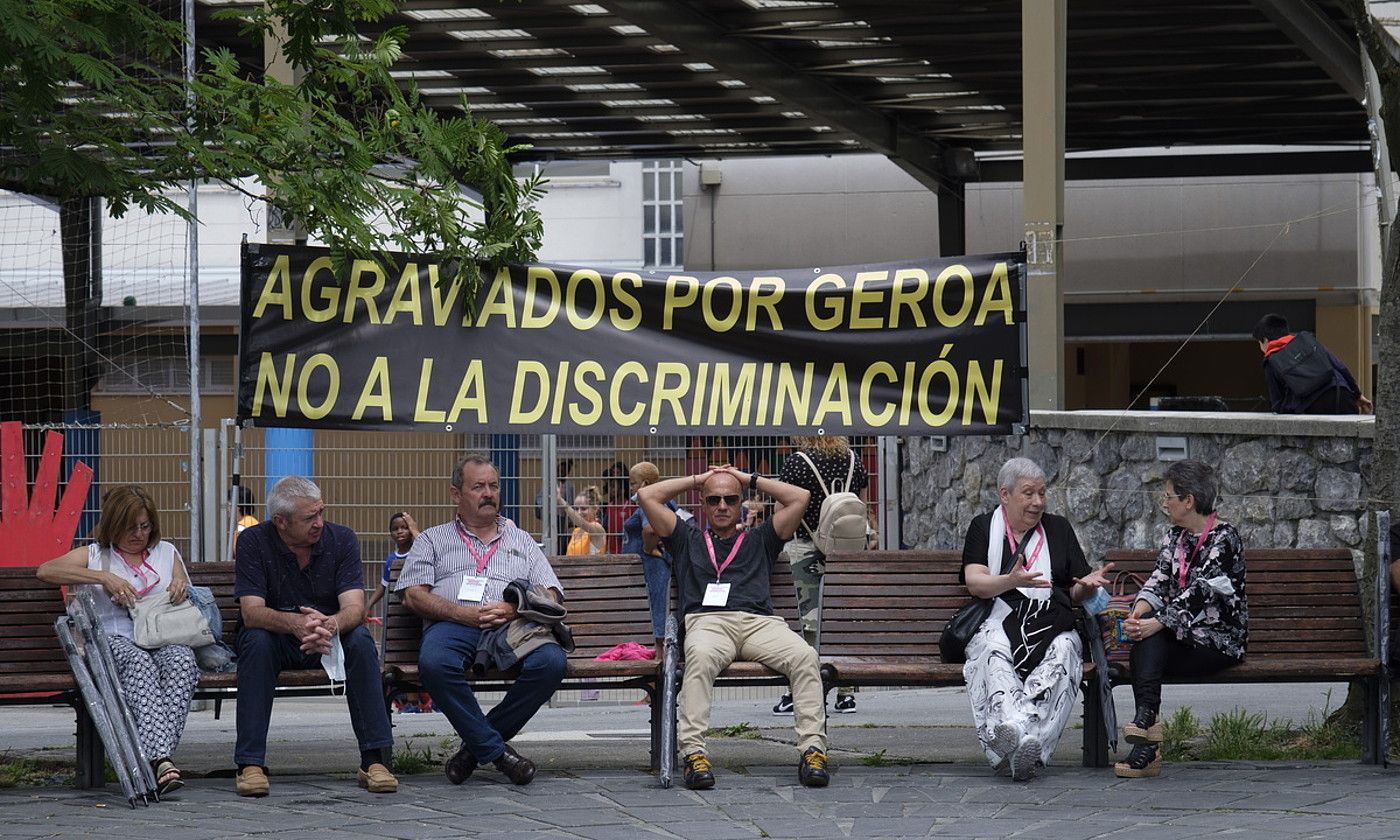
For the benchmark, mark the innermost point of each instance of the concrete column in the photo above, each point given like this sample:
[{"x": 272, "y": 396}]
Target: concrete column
[
  {"x": 1043, "y": 144},
  {"x": 952, "y": 219}
]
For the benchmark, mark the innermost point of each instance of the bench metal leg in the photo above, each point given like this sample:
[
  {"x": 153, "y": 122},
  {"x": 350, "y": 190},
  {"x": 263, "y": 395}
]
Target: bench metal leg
[
  {"x": 654, "y": 698},
  {"x": 1095, "y": 740},
  {"x": 92, "y": 758},
  {"x": 1372, "y": 748}
]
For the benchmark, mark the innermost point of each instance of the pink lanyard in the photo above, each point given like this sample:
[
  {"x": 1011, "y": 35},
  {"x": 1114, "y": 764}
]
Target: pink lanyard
[
  {"x": 1182, "y": 559},
  {"x": 1011, "y": 540},
  {"x": 480, "y": 560},
  {"x": 136, "y": 570},
  {"x": 710, "y": 546}
]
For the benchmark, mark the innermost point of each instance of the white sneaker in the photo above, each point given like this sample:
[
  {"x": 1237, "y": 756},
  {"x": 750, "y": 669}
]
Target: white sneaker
[
  {"x": 1025, "y": 759},
  {"x": 1005, "y": 738}
]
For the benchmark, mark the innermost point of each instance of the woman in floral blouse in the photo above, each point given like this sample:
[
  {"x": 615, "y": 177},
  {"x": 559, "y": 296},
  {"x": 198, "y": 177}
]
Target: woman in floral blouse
[{"x": 1191, "y": 617}]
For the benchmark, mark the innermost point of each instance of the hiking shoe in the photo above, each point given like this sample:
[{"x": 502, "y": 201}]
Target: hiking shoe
[
  {"x": 845, "y": 704},
  {"x": 811, "y": 768},
  {"x": 1145, "y": 728},
  {"x": 252, "y": 781},
  {"x": 377, "y": 779},
  {"x": 1025, "y": 758},
  {"x": 1142, "y": 761},
  {"x": 783, "y": 706},
  {"x": 698, "y": 775}
]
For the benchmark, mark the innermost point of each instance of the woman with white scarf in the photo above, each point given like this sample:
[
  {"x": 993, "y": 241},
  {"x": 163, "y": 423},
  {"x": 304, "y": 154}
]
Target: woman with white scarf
[{"x": 1025, "y": 663}]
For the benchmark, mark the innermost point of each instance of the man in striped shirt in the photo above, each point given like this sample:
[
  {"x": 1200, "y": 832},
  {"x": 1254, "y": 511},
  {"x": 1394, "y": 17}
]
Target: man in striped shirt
[{"x": 454, "y": 578}]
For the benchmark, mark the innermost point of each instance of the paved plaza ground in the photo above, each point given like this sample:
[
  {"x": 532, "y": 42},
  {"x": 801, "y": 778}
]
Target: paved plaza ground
[{"x": 904, "y": 766}]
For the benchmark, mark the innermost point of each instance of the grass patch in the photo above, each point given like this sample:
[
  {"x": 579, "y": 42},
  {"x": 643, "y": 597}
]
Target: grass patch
[
  {"x": 1241, "y": 735},
  {"x": 738, "y": 730},
  {"x": 879, "y": 759},
  {"x": 409, "y": 760},
  {"x": 16, "y": 771},
  {"x": 1178, "y": 733}
]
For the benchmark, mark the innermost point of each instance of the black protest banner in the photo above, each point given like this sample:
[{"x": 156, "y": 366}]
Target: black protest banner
[{"x": 920, "y": 347}]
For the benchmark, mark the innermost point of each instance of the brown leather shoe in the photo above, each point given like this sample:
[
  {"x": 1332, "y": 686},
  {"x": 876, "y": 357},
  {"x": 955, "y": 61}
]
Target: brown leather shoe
[
  {"x": 378, "y": 779},
  {"x": 460, "y": 766},
  {"x": 517, "y": 768},
  {"x": 252, "y": 781}
]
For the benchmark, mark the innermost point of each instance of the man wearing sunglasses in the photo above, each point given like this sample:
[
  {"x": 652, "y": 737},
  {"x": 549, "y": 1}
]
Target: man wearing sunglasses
[{"x": 722, "y": 578}]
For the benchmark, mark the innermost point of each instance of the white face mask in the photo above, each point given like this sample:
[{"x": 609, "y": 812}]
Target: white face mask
[{"x": 334, "y": 662}]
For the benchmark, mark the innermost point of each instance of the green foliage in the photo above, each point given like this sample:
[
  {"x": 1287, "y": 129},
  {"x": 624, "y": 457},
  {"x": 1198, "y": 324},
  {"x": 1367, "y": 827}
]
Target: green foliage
[
  {"x": 84, "y": 98},
  {"x": 1239, "y": 735},
  {"x": 97, "y": 108},
  {"x": 1178, "y": 732},
  {"x": 738, "y": 730},
  {"x": 879, "y": 759},
  {"x": 409, "y": 760},
  {"x": 28, "y": 772}
]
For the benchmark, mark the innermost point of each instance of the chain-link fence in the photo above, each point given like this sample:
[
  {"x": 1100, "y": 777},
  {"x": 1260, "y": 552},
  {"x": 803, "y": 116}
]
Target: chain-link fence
[
  {"x": 153, "y": 455},
  {"x": 366, "y": 477}
]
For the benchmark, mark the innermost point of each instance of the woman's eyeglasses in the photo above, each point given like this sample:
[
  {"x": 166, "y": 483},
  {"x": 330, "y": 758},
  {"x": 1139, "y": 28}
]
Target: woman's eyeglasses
[
  {"x": 712, "y": 501},
  {"x": 142, "y": 528}
]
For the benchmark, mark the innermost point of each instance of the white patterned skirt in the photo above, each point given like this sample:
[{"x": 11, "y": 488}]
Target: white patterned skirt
[{"x": 1040, "y": 707}]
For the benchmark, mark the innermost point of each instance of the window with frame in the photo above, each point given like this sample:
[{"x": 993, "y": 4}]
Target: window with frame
[{"x": 663, "y": 234}]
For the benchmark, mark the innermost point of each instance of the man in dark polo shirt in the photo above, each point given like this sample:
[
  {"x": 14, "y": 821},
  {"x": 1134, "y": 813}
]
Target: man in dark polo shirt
[
  {"x": 300, "y": 588},
  {"x": 723, "y": 583}
]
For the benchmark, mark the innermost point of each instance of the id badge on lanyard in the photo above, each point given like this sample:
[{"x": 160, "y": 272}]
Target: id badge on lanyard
[
  {"x": 473, "y": 588},
  {"x": 717, "y": 593}
]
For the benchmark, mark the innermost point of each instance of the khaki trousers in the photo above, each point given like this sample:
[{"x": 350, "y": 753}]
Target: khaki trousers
[{"x": 714, "y": 640}]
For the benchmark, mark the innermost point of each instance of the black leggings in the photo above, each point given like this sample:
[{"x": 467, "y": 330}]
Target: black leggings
[{"x": 1161, "y": 655}]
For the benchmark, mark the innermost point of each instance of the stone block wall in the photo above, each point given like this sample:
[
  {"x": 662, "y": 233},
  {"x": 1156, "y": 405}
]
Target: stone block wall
[{"x": 1285, "y": 482}]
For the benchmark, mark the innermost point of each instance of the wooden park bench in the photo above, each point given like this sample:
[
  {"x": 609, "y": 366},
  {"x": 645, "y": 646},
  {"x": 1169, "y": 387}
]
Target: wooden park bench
[
  {"x": 606, "y": 595},
  {"x": 607, "y": 605},
  {"x": 34, "y": 670},
  {"x": 1306, "y": 624},
  {"x": 882, "y": 614}
]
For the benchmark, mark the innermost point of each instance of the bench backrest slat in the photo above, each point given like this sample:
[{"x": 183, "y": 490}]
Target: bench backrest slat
[
  {"x": 28, "y": 607},
  {"x": 890, "y": 604},
  {"x": 606, "y": 595},
  {"x": 1302, "y": 602}
]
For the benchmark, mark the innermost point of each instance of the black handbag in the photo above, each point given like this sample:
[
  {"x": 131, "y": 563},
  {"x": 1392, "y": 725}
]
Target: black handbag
[{"x": 952, "y": 644}]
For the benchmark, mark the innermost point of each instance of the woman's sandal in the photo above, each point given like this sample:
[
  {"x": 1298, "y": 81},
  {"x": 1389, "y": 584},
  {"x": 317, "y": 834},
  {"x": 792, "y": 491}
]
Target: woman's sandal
[
  {"x": 1143, "y": 761},
  {"x": 167, "y": 777}
]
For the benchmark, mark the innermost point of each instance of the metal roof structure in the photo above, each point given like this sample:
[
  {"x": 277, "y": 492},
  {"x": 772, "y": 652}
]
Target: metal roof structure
[{"x": 933, "y": 84}]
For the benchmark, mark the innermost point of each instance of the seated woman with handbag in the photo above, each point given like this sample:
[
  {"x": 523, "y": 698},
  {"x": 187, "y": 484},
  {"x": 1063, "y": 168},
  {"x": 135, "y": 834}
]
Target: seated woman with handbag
[
  {"x": 125, "y": 561},
  {"x": 1024, "y": 662},
  {"x": 1196, "y": 594}
]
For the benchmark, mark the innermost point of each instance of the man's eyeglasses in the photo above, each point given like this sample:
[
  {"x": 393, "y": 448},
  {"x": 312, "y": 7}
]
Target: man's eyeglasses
[{"x": 712, "y": 501}]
